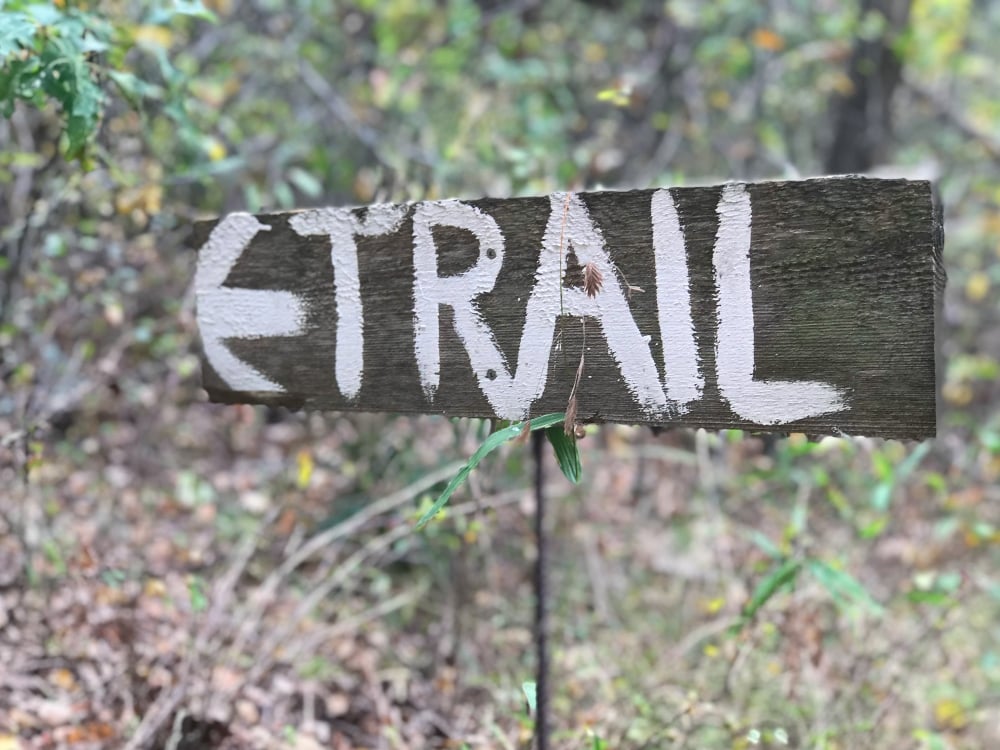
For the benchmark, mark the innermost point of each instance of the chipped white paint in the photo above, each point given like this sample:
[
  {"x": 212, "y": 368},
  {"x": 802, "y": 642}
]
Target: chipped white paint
[
  {"x": 571, "y": 227},
  {"x": 459, "y": 292},
  {"x": 227, "y": 313},
  {"x": 682, "y": 379},
  {"x": 766, "y": 402},
  {"x": 230, "y": 313},
  {"x": 512, "y": 393},
  {"x": 342, "y": 225}
]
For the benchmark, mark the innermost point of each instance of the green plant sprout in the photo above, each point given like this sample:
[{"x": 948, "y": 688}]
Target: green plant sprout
[{"x": 565, "y": 447}]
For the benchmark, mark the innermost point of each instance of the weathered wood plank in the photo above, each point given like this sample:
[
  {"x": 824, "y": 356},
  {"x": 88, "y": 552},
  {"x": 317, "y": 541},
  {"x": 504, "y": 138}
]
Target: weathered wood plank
[{"x": 787, "y": 306}]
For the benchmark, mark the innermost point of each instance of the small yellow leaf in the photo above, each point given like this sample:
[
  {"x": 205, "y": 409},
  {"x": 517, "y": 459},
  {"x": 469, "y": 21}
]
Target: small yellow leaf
[
  {"x": 62, "y": 678},
  {"x": 977, "y": 287},
  {"x": 768, "y": 39},
  {"x": 950, "y": 714},
  {"x": 220, "y": 7},
  {"x": 620, "y": 96},
  {"x": 720, "y": 99},
  {"x": 155, "y": 588},
  {"x": 713, "y": 606},
  {"x": 959, "y": 394},
  {"x": 212, "y": 93},
  {"x": 842, "y": 83},
  {"x": 215, "y": 149},
  {"x": 147, "y": 198},
  {"x": 710, "y": 650},
  {"x": 594, "y": 52},
  {"x": 971, "y": 538},
  {"x": 305, "y": 463},
  {"x": 150, "y": 35}
]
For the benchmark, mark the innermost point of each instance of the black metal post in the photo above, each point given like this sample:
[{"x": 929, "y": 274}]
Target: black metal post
[{"x": 541, "y": 626}]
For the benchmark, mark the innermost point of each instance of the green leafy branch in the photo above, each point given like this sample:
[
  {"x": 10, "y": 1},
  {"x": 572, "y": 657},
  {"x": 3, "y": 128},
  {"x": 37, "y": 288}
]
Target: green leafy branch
[
  {"x": 845, "y": 590},
  {"x": 54, "y": 52},
  {"x": 565, "y": 447}
]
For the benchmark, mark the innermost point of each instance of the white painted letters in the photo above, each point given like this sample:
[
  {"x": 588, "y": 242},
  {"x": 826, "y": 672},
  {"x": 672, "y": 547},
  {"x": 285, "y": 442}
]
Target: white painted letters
[
  {"x": 430, "y": 290},
  {"x": 570, "y": 227},
  {"x": 766, "y": 402},
  {"x": 683, "y": 381},
  {"x": 342, "y": 225},
  {"x": 512, "y": 393},
  {"x": 225, "y": 313},
  {"x": 512, "y": 388}
]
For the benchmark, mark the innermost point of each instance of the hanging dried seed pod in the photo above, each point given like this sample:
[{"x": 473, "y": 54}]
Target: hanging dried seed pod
[{"x": 593, "y": 279}]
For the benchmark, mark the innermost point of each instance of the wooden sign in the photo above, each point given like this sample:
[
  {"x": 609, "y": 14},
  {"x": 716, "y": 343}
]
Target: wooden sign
[{"x": 787, "y": 306}]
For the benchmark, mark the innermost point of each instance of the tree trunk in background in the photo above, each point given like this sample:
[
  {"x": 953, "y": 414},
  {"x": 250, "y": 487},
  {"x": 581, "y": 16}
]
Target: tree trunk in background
[{"x": 863, "y": 118}]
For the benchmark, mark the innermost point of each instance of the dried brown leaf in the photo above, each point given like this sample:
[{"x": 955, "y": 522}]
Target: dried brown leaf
[
  {"x": 593, "y": 279},
  {"x": 570, "y": 423},
  {"x": 525, "y": 431}
]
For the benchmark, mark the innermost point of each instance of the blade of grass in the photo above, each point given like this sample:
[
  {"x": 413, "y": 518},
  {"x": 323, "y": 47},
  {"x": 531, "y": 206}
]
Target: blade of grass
[
  {"x": 842, "y": 586},
  {"x": 567, "y": 453},
  {"x": 489, "y": 445},
  {"x": 780, "y": 576},
  {"x": 530, "y": 695}
]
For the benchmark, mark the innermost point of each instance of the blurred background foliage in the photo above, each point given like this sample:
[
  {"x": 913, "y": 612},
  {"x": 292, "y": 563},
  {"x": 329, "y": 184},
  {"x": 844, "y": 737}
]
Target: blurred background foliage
[{"x": 861, "y": 574}]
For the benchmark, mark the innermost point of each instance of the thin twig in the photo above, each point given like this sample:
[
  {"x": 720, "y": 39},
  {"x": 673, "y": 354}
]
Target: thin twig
[
  {"x": 569, "y": 426},
  {"x": 157, "y": 715}
]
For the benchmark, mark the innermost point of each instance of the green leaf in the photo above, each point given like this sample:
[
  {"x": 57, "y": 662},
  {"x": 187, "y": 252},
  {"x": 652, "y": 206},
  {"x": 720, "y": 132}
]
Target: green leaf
[
  {"x": 935, "y": 598},
  {"x": 530, "y": 695},
  {"x": 193, "y": 8},
  {"x": 305, "y": 182},
  {"x": 45, "y": 14},
  {"x": 874, "y": 528},
  {"x": 567, "y": 452},
  {"x": 196, "y": 594},
  {"x": 133, "y": 88},
  {"x": 489, "y": 445},
  {"x": 842, "y": 586},
  {"x": 17, "y": 31},
  {"x": 207, "y": 169},
  {"x": 911, "y": 462},
  {"x": 82, "y": 121},
  {"x": 66, "y": 77},
  {"x": 780, "y": 576},
  {"x": 766, "y": 545},
  {"x": 283, "y": 195},
  {"x": 882, "y": 496}
]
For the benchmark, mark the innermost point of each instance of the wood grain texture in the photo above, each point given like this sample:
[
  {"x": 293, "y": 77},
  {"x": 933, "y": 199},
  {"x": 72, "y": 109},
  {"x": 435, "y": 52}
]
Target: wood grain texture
[{"x": 846, "y": 276}]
